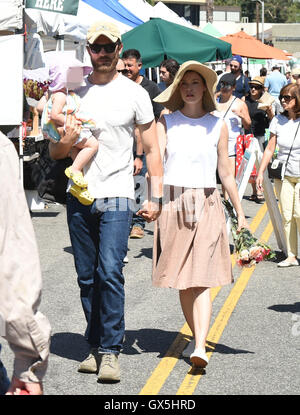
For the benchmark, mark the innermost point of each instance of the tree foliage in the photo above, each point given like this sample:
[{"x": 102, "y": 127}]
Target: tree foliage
[{"x": 278, "y": 11}]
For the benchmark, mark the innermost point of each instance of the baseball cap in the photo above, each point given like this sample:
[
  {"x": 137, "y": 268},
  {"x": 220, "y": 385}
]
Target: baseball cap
[
  {"x": 108, "y": 29},
  {"x": 237, "y": 58},
  {"x": 228, "y": 78}
]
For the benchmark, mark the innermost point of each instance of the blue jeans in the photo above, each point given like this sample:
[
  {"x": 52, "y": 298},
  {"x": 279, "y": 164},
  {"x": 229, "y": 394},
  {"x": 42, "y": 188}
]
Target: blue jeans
[
  {"x": 99, "y": 236},
  {"x": 4, "y": 381}
]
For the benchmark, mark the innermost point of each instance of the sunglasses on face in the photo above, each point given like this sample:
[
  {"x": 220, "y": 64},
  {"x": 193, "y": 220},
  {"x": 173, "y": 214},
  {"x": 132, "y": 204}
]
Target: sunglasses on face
[
  {"x": 287, "y": 98},
  {"x": 255, "y": 87},
  {"x": 234, "y": 66},
  {"x": 108, "y": 48},
  {"x": 123, "y": 71},
  {"x": 223, "y": 85}
]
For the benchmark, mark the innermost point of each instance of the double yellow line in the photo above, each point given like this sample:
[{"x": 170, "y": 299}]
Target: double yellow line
[{"x": 168, "y": 362}]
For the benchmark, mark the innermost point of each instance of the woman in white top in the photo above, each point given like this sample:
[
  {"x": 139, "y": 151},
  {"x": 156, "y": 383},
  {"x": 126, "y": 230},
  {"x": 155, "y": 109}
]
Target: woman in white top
[
  {"x": 235, "y": 113},
  {"x": 285, "y": 133},
  {"x": 191, "y": 248}
]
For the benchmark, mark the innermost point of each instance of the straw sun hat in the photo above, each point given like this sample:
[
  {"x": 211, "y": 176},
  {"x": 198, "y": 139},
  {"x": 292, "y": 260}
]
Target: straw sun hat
[
  {"x": 171, "y": 97},
  {"x": 296, "y": 71},
  {"x": 258, "y": 80}
]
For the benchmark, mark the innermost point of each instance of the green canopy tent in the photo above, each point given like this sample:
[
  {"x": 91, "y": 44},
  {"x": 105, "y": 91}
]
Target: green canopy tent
[{"x": 159, "y": 39}]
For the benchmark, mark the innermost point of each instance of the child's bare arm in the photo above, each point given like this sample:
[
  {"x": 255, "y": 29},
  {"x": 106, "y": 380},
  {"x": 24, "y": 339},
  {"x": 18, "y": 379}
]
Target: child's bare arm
[{"x": 58, "y": 101}]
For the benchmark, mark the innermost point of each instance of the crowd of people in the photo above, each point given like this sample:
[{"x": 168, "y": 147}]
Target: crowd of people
[{"x": 142, "y": 129}]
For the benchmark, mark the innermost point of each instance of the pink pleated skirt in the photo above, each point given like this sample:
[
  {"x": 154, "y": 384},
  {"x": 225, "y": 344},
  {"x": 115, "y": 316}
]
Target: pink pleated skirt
[{"x": 191, "y": 246}]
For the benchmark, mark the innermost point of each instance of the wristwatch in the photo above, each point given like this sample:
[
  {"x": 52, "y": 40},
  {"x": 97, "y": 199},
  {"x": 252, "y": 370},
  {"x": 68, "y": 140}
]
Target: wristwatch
[
  {"x": 139, "y": 156},
  {"x": 158, "y": 200}
]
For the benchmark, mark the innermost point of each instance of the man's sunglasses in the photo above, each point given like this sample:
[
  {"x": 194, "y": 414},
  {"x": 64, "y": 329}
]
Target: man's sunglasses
[
  {"x": 123, "y": 71},
  {"x": 287, "y": 98},
  {"x": 108, "y": 48}
]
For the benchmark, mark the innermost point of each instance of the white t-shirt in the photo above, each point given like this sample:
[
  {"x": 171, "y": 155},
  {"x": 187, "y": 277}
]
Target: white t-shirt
[
  {"x": 191, "y": 150},
  {"x": 116, "y": 107},
  {"x": 285, "y": 131},
  {"x": 234, "y": 124}
]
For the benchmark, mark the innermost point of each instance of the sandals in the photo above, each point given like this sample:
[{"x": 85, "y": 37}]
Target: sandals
[
  {"x": 253, "y": 198},
  {"x": 83, "y": 195},
  {"x": 260, "y": 198},
  {"x": 257, "y": 198},
  {"x": 77, "y": 178}
]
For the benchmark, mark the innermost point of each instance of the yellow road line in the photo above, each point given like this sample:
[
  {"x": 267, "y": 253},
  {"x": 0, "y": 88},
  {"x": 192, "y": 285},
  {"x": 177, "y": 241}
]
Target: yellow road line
[
  {"x": 167, "y": 363},
  {"x": 193, "y": 377},
  {"x": 253, "y": 227}
]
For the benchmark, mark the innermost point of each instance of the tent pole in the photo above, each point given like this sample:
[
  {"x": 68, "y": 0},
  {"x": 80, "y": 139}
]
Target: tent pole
[
  {"x": 21, "y": 155},
  {"x": 60, "y": 42}
]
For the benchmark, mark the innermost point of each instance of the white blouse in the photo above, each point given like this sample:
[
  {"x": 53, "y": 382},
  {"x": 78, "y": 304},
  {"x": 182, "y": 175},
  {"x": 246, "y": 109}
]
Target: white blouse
[
  {"x": 191, "y": 151},
  {"x": 285, "y": 130}
]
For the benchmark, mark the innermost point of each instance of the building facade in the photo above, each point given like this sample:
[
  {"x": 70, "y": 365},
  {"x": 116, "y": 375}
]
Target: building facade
[{"x": 195, "y": 11}]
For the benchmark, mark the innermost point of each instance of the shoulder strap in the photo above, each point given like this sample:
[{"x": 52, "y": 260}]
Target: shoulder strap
[
  {"x": 229, "y": 108},
  {"x": 292, "y": 143}
]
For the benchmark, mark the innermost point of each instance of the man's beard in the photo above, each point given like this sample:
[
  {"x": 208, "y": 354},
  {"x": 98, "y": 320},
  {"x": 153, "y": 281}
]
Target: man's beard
[{"x": 106, "y": 65}]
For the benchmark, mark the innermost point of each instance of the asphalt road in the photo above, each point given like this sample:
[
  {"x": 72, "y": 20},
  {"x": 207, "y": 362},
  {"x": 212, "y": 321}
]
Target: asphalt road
[{"x": 253, "y": 344}]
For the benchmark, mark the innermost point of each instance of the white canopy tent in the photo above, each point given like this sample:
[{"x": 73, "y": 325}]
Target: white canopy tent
[
  {"x": 11, "y": 15},
  {"x": 74, "y": 27},
  {"x": 141, "y": 8},
  {"x": 164, "y": 12}
]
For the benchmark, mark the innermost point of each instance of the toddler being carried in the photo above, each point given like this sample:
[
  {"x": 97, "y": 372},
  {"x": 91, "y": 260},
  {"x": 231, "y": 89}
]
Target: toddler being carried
[{"x": 66, "y": 76}]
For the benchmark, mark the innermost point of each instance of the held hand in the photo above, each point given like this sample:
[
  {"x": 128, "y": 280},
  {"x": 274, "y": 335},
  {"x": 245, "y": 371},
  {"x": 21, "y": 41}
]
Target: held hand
[
  {"x": 137, "y": 166},
  {"x": 17, "y": 387},
  {"x": 269, "y": 111},
  {"x": 259, "y": 183},
  {"x": 242, "y": 223},
  {"x": 150, "y": 211}
]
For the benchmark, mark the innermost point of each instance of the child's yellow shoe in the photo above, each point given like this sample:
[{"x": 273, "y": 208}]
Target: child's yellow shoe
[
  {"x": 83, "y": 195},
  {"x": 76, "y": 177}
]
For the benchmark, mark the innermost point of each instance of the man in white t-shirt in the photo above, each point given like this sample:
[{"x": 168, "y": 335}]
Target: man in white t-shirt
[{"x": 99, "y": 232}]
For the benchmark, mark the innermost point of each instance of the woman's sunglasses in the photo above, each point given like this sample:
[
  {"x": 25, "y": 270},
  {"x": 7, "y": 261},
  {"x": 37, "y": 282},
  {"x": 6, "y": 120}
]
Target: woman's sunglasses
[
  {"x": 287, "y": 98},
  {"x": 108, "y": 48},
  {"x": 257, "y": 87}
]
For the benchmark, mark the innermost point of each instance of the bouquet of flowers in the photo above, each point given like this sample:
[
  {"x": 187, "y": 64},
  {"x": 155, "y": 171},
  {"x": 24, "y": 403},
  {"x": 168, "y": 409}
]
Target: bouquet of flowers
[
  {"x": 35, "y": 89},
  {"x": 249, "y": 249}
]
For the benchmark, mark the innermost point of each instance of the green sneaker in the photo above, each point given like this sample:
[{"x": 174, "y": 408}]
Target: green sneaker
[
  {"x": 109, "y": 368},
  {"x": 91, "y": 363}
]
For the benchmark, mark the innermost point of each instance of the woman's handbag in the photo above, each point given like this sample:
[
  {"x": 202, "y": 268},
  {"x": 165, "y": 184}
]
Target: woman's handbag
[{"x": 276, "y": 169}]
